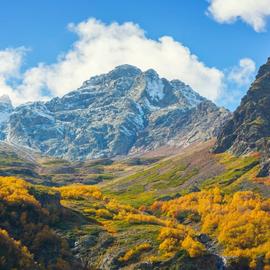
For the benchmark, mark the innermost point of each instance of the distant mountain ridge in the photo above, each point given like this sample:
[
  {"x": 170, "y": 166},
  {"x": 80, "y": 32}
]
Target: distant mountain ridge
[{"x": 121, "y": 112}]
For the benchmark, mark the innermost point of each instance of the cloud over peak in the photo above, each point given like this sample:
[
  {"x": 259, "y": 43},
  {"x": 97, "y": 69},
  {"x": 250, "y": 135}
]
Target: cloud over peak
[{"x": 101, "y": 47}]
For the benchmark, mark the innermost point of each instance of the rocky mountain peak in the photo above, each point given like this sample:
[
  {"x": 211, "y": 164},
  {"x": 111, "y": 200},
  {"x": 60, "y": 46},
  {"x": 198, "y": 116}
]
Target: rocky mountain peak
[
  {"x": 124, "y": 70},
  {"x": 123, "y": 111},
  {"x": 151, "y": 74}
]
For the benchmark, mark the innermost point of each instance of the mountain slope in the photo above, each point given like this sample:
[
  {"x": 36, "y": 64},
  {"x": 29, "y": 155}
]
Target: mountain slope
[
  {"x": 80, "y": 227},
  {"x": 193, "y": 210},
  {"x": 190, "y": 170},
  {"x": 124, "y": 111},
  {"x": 249, "y": 128},
  {"x": 28, "y": 239}
]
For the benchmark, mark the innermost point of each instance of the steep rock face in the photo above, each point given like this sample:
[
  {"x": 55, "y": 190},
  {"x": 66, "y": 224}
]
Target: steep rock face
[
  {"x": 182, "y": 128},
  {"x": 113, "y": 114},
  {"x": 249, "y": 128}
]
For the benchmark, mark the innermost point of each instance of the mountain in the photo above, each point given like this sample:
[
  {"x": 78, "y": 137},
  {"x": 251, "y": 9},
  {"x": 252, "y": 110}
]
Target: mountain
[
  {"x": 169, "y": 207},
  {"x": 249, "y": 128},
  {"x": 121, "y": 112}
]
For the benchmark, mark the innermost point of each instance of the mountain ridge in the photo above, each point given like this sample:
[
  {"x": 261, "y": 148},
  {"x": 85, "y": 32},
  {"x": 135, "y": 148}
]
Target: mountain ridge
[{"x": 121, "y": 112}]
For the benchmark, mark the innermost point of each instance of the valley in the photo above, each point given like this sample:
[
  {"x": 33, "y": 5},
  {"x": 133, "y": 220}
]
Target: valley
[{"x": 151, "y": 213}]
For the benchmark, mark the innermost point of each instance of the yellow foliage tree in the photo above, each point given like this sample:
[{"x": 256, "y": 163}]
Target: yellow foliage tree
[
  {"x": 240, "y": 222},
  {"x": 193, "y": 247},
  {"x": 136, "y": 251},
  {"x": 16, "y": 190},
  {"x": 78, "y": 191}
]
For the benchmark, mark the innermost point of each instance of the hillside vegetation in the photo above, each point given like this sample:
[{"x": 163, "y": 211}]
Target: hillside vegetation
[{"x": 193, "y": 210}]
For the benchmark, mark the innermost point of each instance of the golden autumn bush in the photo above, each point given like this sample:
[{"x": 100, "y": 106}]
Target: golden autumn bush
[
  {"x": 240, "y": 222},
  {"x": 15, "y": 190},
  {"x": 193, "y": 247},
  {"x": 77, "y": 191},
  {"x": 182, "y": 237},
  {"x": 144, "y": 219},
  {"x": 171, "y": 238},
  {"x": 27, "y": 217},
  {"x": 136, "y": 251}
]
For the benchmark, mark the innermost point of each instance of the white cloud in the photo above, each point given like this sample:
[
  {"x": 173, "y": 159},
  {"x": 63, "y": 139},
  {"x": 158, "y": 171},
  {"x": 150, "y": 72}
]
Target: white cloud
[
  {"x": 237, "y": 81},
  {"x": 253, "y": 12},
  {"x": 243, "y": 74},
  {"x": 101, "y": 47},
  {"x": 10, "y": 63}
]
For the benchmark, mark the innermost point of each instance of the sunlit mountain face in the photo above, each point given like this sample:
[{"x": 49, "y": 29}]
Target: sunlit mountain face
[{"x": 118, "y": 113}]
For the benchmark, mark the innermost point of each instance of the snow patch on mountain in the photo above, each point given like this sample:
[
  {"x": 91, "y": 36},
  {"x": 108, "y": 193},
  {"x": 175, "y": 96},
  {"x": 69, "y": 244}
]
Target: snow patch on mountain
[{"x": 155, "y": 89}]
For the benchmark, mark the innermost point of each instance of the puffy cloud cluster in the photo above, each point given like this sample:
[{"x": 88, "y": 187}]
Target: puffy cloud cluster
[
  {"x": 99, "y": 48},
  {"x": 10, "y": 63},
  {"x": 253, "y": 12}
]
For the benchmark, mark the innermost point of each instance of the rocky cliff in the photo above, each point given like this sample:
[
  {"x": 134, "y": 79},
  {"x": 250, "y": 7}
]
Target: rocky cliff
[{"x": 249, "y": 128}]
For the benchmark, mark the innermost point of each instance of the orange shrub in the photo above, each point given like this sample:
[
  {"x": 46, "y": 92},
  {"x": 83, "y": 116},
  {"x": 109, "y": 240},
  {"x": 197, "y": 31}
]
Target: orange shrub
[
  {"x": 77, "y": 191},
  {"x": 240, "y": 222},
  {"x": 193, "y": 247},
  {"x": 141, "y": 218},
  {"x": 15, "y": 190},
  {"x": 130, "y": 254}
]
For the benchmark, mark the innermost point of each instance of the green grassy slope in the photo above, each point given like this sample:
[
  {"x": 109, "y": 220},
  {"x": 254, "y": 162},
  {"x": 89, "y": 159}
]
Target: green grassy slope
[
  {"x": 191, "y": 170},
  {"x": 56, "y": 172}
]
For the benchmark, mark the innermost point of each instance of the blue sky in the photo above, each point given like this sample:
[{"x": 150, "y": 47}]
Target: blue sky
[{"x": 40, "y": 27}]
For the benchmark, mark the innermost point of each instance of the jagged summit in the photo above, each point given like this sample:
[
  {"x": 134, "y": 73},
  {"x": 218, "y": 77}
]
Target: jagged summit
[
  {"x": 123, "y": 111},
  {"x": 124, "y": 70}
]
